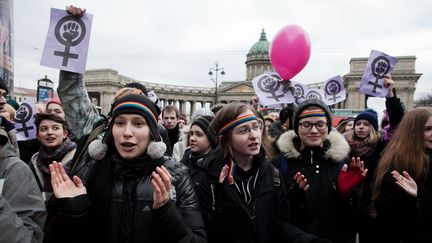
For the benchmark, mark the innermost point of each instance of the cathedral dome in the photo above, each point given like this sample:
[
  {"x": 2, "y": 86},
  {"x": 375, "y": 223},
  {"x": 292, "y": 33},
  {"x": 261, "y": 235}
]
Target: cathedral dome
[{"x": 260, "y": 47}]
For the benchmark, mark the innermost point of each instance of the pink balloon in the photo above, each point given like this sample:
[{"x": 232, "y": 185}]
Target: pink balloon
[{"x": 290, "y": 51}]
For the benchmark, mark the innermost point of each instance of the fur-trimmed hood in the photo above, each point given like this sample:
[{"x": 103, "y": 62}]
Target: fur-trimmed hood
[{"x": 339, "y": 148}]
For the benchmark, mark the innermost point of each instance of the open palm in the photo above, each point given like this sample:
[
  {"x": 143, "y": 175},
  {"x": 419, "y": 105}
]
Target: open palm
[
  {"x": 62, "y": 185},
  {"x": 405, "y": 182}
]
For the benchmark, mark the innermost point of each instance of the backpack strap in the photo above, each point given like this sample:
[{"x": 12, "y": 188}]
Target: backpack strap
[{"x": 83, "y": 147}]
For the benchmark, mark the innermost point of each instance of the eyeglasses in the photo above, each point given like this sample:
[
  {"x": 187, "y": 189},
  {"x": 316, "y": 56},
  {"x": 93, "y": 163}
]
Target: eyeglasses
[
  {"x": 258, "y": 126},
  {"x": 5, "y": 95},
  {"x": 321, "y": 125}
]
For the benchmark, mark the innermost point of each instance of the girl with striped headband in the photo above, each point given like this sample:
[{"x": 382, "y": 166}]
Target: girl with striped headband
[
  {"x": 242, "y": 195},
  {"x": 133, "y": 193}
]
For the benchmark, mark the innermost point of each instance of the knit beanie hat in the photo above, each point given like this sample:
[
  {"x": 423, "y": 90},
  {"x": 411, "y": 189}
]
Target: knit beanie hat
[
  {"x": 201, "y": 112},
  {"x": 3, "y": 85},
  {"x": 369, "y": 115},
  {"x": 55, "y": 101},
  {"x": 140, "y": 105},
  {"x": 309, "y": 103},
  {"x": 204, "y": 122}
]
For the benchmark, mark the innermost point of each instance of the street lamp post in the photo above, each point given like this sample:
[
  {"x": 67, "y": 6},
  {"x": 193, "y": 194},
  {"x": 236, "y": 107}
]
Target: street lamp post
[{"x": 215, "y": 79}]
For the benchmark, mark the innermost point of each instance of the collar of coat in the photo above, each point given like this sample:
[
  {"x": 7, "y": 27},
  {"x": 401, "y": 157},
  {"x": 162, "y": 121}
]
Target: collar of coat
[{"x": 339, "y": 148}]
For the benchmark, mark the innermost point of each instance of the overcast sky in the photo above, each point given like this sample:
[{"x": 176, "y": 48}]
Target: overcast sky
[{"x": 176, "y": 42}]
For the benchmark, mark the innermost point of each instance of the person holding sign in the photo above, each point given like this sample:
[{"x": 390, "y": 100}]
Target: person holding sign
[
  {"x": 80, "y": 113},
  {"x": 133, "y": 193},
  {"x": 367, "y": 143},
  {"x": 243, "y": 198},
  {"x": 402, "y": 191}
]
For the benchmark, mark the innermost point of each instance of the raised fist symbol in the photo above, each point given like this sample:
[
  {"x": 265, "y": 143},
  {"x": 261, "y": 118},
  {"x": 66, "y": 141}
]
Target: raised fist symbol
[
  {"x": 70, "y": 31},
  {"x": 381, "y": 67}
]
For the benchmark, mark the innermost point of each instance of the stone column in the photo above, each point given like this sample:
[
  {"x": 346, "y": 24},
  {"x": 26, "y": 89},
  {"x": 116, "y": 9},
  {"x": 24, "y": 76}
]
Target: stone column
[{"x": 193, "y": 107}]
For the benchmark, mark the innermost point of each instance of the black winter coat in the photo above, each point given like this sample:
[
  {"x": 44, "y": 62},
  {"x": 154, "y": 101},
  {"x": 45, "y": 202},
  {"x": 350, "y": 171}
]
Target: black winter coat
[
  {"x": 401, "y": 217},
  {"x": 320, "y": 210},
  {"x": 99, "y": 217},
  {"x": 229, "y": 219}
]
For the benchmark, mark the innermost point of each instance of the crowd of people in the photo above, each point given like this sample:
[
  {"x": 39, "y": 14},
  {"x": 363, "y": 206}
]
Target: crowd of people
[{"x": 226, "y": 174}]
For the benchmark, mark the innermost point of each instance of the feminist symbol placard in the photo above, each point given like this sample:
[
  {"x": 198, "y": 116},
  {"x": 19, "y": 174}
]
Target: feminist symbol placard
[
  {"x": 69, "y": 31},
  {"x": 24, "y": 121},
  {"x": 270, "y": 89},
  {"x": 270, "y": 84},
  {"x": 379, "y": 65},
  {"x": 334, "y": 90},
  {"x": 299, "y": 90},
  {"x": 317, "y": 94},
  {"x": 67, "y": 41}
]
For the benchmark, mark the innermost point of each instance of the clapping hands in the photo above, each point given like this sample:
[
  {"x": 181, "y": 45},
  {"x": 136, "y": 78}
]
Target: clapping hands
[{"x": 63, "y": 186}]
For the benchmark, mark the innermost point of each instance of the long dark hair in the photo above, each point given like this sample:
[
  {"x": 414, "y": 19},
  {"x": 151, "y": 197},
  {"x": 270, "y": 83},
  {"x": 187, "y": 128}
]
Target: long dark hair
[{"x": 405, "y": 151}]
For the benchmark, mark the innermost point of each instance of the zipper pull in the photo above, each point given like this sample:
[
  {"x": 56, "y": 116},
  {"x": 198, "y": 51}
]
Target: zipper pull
[{"x": 311, "y": 157}]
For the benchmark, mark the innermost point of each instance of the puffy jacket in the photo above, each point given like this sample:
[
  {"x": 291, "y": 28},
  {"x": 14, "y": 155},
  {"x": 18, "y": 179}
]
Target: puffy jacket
[
  {"x": 22, "y": 209},
  {"x": 89, "y": 218}
]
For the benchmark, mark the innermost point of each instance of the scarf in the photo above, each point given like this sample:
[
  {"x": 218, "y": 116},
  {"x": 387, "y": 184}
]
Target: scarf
[
  {"x": 173, "y": 135},
  {"x": 132, "y": 170},
  {"x": 360, "y": 148},
  {"x": 45, "y": 158},
  {"x": 129, "y": 172}
]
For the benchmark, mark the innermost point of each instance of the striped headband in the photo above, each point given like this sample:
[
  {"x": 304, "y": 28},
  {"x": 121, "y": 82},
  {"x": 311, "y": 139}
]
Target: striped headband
[
  {"x": 236, "y": 122},
  {"x": 312, "y": 113},
  {"x": 141, "y": 106}
]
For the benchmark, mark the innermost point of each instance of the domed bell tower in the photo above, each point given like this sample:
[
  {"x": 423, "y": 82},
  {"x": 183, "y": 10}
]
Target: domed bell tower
[{"x": 258, "y": 58}]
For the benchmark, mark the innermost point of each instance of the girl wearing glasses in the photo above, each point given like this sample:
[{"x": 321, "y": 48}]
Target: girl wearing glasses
[
  {"x": 242, "y": 199},
  {"x": 311, "y": 159}
]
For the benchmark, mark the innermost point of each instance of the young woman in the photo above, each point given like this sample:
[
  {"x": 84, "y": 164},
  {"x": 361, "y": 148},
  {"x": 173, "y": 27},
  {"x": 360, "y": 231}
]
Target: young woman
[
  {"x": 367, "y": 143},
  {"x": 312, "y": 156},
  {"x": 402, "y": 191},
  {"x": 132, "y": 194},
  {"x": 55, "y": 145},
  {"x": 200, "y": 145},
  {"x": 242, "y": 199}
]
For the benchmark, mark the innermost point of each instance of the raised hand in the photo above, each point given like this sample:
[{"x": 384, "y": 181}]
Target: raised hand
[
  {"x": 76, "y": 11},
  {"x": 161, "y": 183},
  {"x": 301, "y": 181},
  {"x": 405, "y": 182},
  {"x": 388, "y": 83},
  {"x": 63, "y": 186},
  {"x": 356, "y": 166},
  {"x": 349, "y": 178},
  {"x": 224, "y": 174}
]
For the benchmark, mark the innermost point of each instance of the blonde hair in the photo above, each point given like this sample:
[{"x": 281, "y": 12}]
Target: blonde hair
[
  {"x": 372, "y": 139},
  {"x": 11, "y": 111}
]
